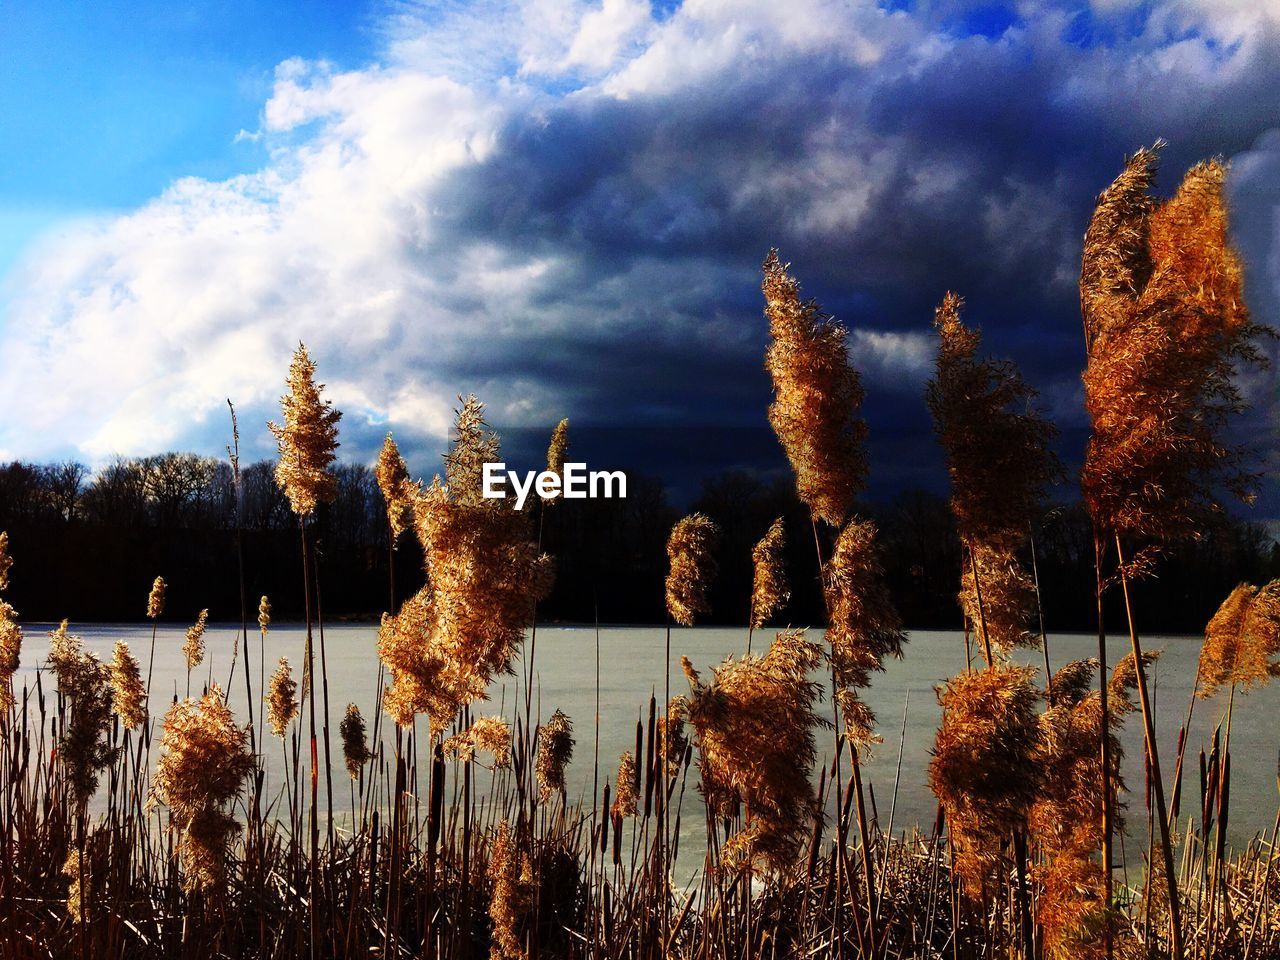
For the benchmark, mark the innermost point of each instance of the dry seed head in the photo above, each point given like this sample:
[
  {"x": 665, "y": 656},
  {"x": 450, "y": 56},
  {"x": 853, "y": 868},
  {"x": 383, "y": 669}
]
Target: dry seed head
[
  {"x": 355, "y": 745},
  {"x": 484, "y": 576},
  {"x": 490, "y": 734},
  {"x": 555, "y": 750},
  {"x": 996, "y": 444},
  {"x": 1242, "y": 641},
  {"x": 817, "y": 397},
  {"x": 194, "y": 645},
  {"x": 10, "y": 653},
  {"x": 200, "y": 773},
  {"x": 512, "y": 898},
  {"x": 129, "y": 699},
  {"x": 865, "y": 627},
  {"x": 393, "y": 480},
  {"x": 689, "y": 548},
  {"x": 76, "y": 889},
  {"x": 264, "y": 614},
  {"x": 626, "y": 788},
  {"x": 1008, "y": 598},
  {"x": 1167, "y": 331},
  {"x": 769, "y": 587},
  {"x": 673, "y": 747},
  {"x": 85, "y": 683},
  {"x": 282, "y": 698},
  {"x": 556, "y": 452},
  {"x": 984, "y": 768},
  {"x": 6, "y": 561},
  {"x": 306, "y": 440},
  {"x": 155, "y": 599},
  {"x": 754, "y": 730}
]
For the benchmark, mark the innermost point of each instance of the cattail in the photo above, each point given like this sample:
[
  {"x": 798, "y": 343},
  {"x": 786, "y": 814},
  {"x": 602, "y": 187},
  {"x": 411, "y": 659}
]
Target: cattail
[
  {"x": 264, "y": 614},
  {"x": 155, "y": 599},
  {"x": 864, "y": 625},
  {"x": 512, "y": 898},
  {"x": 754, "y": 730},
  {"x": 355, "y": 744},
  {"x": 393, "y": 480},
  {"x": 555, "y": 750},
  {"x": 10, "y": 653},
  {"x": 484, "y": 575},
  {"x": 1166, "y": 327},
  {"x": 626, "y": 788},
  {"x": 6, "y": 561},
  {"x": 555, "y": 455},
  {"x": 1242, "y": 641},
  {"x": 194, "y": 645},
  {"x": 817, "y": 397},
  {"x": 199, "y": 775},
  {"x": 689, "y": 549},
  {"x": 984, "y": 768},
  {"x": 490, "y": 734},
  {"x": 282, "y": 698},
  {"x": 129, "y": 699},
  {"x": 307, "y": 439},
  {"x": 769, "y": 587}
]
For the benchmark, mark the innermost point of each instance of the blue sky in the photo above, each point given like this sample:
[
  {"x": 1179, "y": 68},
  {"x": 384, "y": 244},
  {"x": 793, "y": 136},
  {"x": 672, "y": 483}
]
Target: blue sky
[
  {"x": 104, "y": 104},
  {"x": 562, "y": 205}
]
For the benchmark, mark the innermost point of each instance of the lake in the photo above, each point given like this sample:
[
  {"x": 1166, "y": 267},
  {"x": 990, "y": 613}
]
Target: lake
[{"x": 631, "y": 668}]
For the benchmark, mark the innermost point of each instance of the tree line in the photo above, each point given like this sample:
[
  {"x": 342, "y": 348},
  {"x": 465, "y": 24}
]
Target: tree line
[{"x": 92, "y": 543}]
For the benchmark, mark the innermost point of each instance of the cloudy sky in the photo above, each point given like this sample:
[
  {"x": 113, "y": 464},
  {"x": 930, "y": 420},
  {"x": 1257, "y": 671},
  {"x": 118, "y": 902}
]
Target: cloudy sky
[{"x": 562, "y": 206}]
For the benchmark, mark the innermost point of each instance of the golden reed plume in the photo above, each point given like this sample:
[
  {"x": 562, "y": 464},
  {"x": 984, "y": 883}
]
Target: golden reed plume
[
  {"x": 282, "y": 698},
  {"x": 85, "y": 683},
  {"x": 555, "y": 454},
  {"x": 864, "y": 627},
  {"x": 512, "y": 899},
  {"x": 1242, "y": 641},
  {"x": 393, "y": 480},
  {"x": 355, "y": 743},
  {"x": 483, "y": 576},
  {"x": 753, "y": 727},
  {"x": 307, "y": 439},
  {"x": 769, "y": 588},
  {"x": 10, "y": 653},
  {"x": 673, "y": 743},
  {"x": 199, "y": 776},
  {"x": 817, "y": 397},
  {"x": 490, "y": 734},
  {"x": 1066, "y": 818},
  {"x": 984, "y": 769},
  {"x": 264, "y": 614},
  {"x": 998, "y": 458},
  {"x": 155, "y": 599},
  {"x": 129, "y": 694},
  {"x": 1166, "y": 326},
  {"x": 555, "y": 750},
  {"x": 627, "y": 788},
  {"x": 194, "y": 645},
  {"x": 689, "y": 548},
  {"x": 6, "y": 561}
]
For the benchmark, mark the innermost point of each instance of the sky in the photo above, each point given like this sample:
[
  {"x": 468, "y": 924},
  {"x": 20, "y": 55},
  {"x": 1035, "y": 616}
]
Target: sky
[{"x": 562, "y": 207}]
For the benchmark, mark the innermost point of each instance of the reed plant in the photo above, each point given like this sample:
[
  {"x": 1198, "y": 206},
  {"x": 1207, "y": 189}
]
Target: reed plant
[{"x": 469, "y": 840}]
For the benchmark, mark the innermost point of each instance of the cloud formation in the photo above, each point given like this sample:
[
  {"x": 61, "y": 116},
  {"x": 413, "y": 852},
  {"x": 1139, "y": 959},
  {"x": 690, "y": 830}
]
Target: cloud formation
[{"x": 562, "y": 207}]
